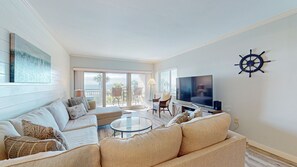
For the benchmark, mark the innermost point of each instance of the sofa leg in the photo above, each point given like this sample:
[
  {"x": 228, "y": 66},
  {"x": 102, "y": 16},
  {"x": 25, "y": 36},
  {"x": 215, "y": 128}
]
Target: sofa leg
[
  {"x": 169, "y": 111},
  {"x": 159, "y": 112}
]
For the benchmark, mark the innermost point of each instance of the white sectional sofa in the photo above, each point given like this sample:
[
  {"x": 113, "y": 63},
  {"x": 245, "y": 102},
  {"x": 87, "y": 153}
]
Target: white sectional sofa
[
  {"x": 78, "y": 132},
  {"x": 201, "y": 142},
  {"x": 81, "y": 131}
]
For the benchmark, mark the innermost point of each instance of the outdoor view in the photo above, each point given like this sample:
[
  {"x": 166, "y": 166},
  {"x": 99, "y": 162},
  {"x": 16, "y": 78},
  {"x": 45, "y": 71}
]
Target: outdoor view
[
  {"x": 138, "y": 88},
  {"x": 93, "y": 87},
  {"x": 116, "y": 88},
  {"x": 168, "y": 81}
]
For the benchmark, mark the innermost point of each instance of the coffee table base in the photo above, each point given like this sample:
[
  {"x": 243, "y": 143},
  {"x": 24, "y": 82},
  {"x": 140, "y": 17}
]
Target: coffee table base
[{"x": 122, "y": 133}]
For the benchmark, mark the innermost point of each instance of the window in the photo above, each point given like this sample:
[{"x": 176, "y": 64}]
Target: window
[
  {"x": 93, "y": 86},
  {"x": 168, "y": 81},
  {"x": 165, "y": 81},
  {"x": 116, "y": 89},
  {"x": 123, "y": 89},
  {"x": 138, "y": 88},
  {"x": 173, "y": 81}
]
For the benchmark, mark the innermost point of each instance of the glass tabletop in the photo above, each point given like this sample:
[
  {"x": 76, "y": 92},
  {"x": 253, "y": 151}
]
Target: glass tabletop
[{"x": 131, "y": 124}]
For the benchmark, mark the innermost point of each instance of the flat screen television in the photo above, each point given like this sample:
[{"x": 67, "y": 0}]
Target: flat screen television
[{"x": 197, "y": 89}]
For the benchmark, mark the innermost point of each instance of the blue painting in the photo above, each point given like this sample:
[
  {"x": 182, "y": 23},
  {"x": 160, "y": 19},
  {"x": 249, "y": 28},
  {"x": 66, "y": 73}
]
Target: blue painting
[{"x": 28, "y": 64}]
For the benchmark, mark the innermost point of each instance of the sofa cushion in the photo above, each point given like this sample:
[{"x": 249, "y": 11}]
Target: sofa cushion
[
  {"x": 204, "y": 131},
  {"x": 179, "y": 118},
  {"x": 84, "y": 136},
  {"x": 76, "y": 111},
  {"x": 42, "y": 132},
  {"x": 6, "y": 129},
  {"x": 165, "y": 96},
  {"x": 24, "y": 145},
  {"x": 78, "y": 100},
  {"x": 82, "y": 122},
  {"x": 106, "y": 112},
  {"x": 59, "y": 112},
  {"x": 143, "y": 150},
  {"x": 39, "y": 116}
]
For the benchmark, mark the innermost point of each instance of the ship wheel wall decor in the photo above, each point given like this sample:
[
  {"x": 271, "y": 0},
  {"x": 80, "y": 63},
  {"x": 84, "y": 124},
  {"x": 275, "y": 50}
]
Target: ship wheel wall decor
[{"x": 251, "y": 63}]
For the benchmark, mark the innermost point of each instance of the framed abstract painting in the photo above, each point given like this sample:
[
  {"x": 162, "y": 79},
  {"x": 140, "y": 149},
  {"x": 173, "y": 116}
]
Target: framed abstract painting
[{"x": 28, "y": 64}]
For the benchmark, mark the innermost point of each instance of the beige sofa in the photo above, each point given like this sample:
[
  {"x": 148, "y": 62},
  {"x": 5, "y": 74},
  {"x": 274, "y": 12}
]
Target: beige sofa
[{"x": 202, "y": 142}]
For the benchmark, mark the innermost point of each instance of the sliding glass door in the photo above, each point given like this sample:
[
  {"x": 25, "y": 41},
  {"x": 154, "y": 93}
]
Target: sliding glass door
[
  {"x": 93, "y": 87},
  {"x": 116, "y": 89},
  {"x": 138, "y": 87},
  {"x": 113, "y": 89}
]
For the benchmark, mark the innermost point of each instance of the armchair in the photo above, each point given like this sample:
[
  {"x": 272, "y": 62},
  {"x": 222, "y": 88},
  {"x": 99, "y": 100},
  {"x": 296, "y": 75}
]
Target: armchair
[{"x": 160, "y": 105}]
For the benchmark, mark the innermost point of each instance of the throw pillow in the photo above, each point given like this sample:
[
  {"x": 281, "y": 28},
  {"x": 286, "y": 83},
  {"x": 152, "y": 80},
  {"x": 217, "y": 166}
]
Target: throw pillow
[
  {"x": 76, "y": 111},
  {"x": 92, "y": 104},
  {"x": 78, "y": 100},
  {"x": 195, "y": 114},
  {"x": 24, "y": 145},
  {"x": 179, "y": 118},
  {"x": 42, "y": 132}
]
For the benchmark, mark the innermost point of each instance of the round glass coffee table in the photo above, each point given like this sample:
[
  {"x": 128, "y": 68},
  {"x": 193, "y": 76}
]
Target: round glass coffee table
[{"x": 130, "y": 125}]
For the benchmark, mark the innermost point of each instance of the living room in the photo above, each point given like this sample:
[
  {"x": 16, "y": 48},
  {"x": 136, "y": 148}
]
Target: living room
[{"x": 125, "y": 72}]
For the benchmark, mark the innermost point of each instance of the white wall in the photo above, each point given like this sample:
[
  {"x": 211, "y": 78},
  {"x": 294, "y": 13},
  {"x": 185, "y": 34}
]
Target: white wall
[
  {"x": 15, "y": 99},
  {"x": 266, "y": 103},
  {"x": 107, "y": 64}
]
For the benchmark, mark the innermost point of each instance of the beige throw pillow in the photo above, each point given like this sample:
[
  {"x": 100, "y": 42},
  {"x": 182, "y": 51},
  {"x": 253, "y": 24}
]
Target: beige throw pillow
[
  {"x": 76, "y": 111},
  {"x": 6, "y": 129},
  {"x": 23, "y": 145},
  {"x": 179, "y": 118},
  {"x": 202, "y": 132},
  {"x": 41, "y": 132}
]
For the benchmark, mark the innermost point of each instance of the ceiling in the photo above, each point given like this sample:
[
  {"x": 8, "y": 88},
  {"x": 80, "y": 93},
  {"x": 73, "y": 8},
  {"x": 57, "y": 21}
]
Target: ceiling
[{"x": 149, "y": 30}]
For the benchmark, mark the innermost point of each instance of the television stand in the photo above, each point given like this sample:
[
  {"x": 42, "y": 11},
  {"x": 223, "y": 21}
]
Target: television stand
[{"x": 180, "y": 107}]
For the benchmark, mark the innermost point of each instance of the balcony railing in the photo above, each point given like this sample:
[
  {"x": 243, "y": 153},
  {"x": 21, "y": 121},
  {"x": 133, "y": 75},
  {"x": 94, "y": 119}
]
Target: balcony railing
[{"x": 111, "y": 100}]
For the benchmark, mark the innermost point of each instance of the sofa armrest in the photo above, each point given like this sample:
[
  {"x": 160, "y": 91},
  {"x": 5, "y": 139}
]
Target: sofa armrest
[
  {"x": 228, "y": 153},
  {"x": 87, "y": 156}
]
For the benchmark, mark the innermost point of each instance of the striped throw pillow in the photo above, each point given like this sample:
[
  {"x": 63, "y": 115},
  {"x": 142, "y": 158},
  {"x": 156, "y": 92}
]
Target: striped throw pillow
[
  {"x": 41, "y": 132},
  {"x": 179, "y": 118},
  {"x": 24, "y": 145}
]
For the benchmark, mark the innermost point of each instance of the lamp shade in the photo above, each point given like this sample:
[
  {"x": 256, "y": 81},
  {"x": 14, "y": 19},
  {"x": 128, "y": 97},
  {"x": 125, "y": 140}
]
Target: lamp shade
[
  {"x": 151, "y": 81},
  {"x": 79, "y": 93}
]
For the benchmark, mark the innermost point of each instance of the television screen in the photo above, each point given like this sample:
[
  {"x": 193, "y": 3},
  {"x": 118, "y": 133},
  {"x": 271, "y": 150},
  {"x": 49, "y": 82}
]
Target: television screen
[{"x": 197, "y": 90}]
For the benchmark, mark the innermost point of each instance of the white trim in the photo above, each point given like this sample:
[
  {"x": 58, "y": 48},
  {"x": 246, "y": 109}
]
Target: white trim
[
  {"x": 276, "y": 152},
  {"x": 135, "y": 60},
  {"x": 110, "y": 71}
]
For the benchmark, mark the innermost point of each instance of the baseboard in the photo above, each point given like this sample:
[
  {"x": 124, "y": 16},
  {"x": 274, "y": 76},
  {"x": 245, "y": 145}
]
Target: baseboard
[{"x": 273, "y": 151}]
